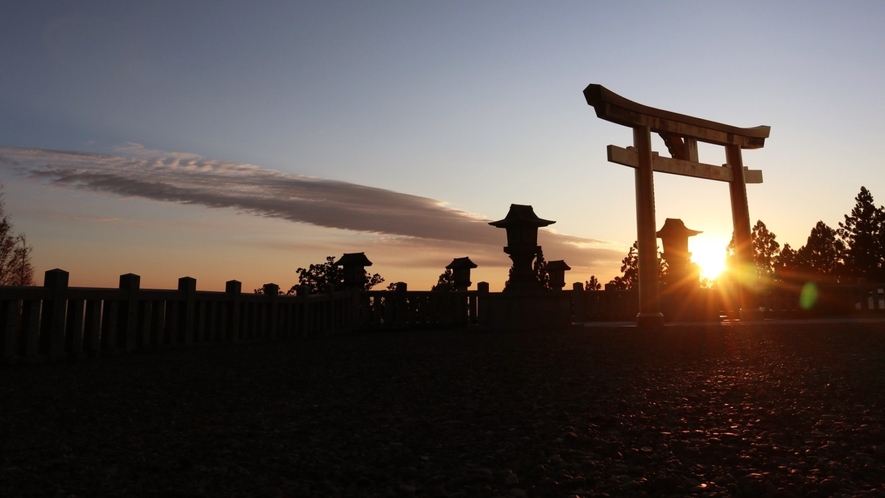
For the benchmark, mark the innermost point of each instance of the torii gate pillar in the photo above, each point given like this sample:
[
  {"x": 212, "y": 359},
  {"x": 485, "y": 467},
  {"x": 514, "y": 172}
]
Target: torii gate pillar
[
  {"x": 646, "y": 232},
  {"x": 681, "y": 134},
  {"x": 743, "y": 236}
]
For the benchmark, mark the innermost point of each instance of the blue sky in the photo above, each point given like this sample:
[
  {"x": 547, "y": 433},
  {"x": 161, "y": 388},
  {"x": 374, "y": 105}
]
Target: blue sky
[{"x": 400, "y": 128}]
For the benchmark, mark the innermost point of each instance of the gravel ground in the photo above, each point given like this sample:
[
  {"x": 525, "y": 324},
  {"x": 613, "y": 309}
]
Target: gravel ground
[{"x": 751, "y": 411}]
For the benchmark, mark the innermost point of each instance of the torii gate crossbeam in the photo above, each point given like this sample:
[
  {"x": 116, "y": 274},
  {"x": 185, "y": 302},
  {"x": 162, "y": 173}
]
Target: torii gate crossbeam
[{"x": 681, "y": 134}]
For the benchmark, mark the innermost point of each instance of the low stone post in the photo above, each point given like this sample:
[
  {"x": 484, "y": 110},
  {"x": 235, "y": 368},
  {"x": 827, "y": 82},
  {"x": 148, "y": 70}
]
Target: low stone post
[
  {"x": 271, "y": 292},
  {"x": 128, "y": 325},
  {"x": 482, "y": 306},
  {"x": 580, "y": 302},
  {"x": 187, "y": 286},
  {"x": 401, "y": 311},
  {"x": 52, "y": 337}
]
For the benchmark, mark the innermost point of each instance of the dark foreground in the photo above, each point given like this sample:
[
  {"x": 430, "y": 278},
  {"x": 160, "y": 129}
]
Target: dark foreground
[{"x": 765, "y": 411}]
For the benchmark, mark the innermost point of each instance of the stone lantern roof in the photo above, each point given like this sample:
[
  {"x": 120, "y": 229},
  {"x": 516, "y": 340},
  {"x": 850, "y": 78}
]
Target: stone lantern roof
[
  {"x": 674, "y": 227},
  {"x": 520, "y": 215},
  {"x": 558, "y": 265},
  {"x": 461, "y": 263},
  {"x": 354, "y": 259}
]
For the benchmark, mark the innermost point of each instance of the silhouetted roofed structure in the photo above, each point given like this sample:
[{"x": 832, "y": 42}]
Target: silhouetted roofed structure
[
  {"x": 461, "y": 263},
  {"x": 520, "y": 215},
  {"x": 674, "y": 227},
  {"x": 558, "y": 265},
  {"x": 681, "y": 134},
  {"x": 354, "y": 259}
]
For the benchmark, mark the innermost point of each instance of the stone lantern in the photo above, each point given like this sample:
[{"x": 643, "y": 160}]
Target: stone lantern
[
  {"x": 461, "y": 272},
  {"x": 556, "y": 271},
  {"x": 674, "y": 236},
  {"x": 354, "y": 265},
  {"x": 522, "y": 226}
]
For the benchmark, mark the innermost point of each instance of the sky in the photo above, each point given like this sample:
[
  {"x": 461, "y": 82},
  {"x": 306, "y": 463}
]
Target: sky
[{"x": 242, "y": 141}]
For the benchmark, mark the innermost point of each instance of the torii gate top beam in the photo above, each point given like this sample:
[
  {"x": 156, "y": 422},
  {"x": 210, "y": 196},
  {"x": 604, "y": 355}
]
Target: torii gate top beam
[{"x": 612, "y": 107}]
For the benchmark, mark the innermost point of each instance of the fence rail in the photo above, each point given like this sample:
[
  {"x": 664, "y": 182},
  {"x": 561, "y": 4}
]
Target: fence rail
[
  {"x": 39, "y": 324},
  {"x": 52, "y": 322}
]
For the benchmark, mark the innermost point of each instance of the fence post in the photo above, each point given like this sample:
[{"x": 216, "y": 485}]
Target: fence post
[
  {"x": 304, "y": 317},
  {"x": 30, "y": 331},
  {"x": 234, "y": 288},
  {"x": 187, "y": 286},
  {"x": 92, "y": 328},
  {"x": 328, "y": 319},
  {"x": 271, "y": 291},
  {"x": 579, "y": 302},
  {"x": 482, "y": 305},
  {"x": 158, "y": 323},
  {"x": 401, "y": 313},
  {"x": 9, "y": 329},
  {"x": 145, "y": 324},
  {"x": 52, "y": 320},
  {"x": 127, "y": 333},
  {"x": 353, "y": 314}
]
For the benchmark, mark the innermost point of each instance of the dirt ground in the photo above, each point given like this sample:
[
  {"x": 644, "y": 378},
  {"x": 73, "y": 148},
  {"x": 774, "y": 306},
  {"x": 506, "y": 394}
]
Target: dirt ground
[{"x": 775, "y": 409}]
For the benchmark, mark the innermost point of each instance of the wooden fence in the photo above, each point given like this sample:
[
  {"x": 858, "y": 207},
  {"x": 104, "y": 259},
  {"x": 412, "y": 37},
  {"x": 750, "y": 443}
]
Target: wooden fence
[
  {"x": 790, "y": 301},
  {"x": 782, "y": 301},
  {"x": 55, "y": 321}
]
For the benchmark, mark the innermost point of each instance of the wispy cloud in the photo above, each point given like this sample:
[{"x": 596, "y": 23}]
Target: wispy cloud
[{"x": 191, "y": 179}]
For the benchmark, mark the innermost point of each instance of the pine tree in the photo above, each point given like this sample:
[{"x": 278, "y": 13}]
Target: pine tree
[
  {"x": 629, "y": 278},
  {"x": 786, "y": 265},
  {"x": 445, "y": 282},
  {"x": 540, "y": 268},
  {"x": 862, "y": 235},
  {"x": 821, "y": 256},
  {"x": 765, "y": 250},
  {"x": 317, "y": 276}
]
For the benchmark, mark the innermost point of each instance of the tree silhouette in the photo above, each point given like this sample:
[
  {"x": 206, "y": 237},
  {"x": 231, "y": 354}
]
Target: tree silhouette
[
  {"x": 862, "y": 234},
  {"x": 15, "y": 252},
  {"x": 787, "y": 265},
  {"x": 592, "y": 284},
  {"x": 822, "y": 253},
  {"x": 445, "y": 282},
  {"x": 317, "y": 276},
  {"x": 765, "y": 250},
  {"x": 629, "y": 278},
  {"x": 540, "y": 267}
]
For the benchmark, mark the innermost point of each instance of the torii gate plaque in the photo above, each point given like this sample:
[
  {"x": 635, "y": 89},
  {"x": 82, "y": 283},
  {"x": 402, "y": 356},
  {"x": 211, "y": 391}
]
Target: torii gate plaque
[{"x": 681, "y": 134}]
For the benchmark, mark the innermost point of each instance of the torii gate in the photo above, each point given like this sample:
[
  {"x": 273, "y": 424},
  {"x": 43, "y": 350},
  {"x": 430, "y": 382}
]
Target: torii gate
[{"x": 681, "y": 134}]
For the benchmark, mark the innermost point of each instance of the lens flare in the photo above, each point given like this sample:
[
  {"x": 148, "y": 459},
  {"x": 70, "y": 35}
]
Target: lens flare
[
  {"x": 745, "y": 274},
  {"x": 808, "y": 296}
]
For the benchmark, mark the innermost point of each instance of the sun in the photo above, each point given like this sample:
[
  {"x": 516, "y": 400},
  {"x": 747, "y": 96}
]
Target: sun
[{"x": 709, "y": 254}]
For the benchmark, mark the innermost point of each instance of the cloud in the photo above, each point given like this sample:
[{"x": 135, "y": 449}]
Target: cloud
[{"x": 403, "y": 219}]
